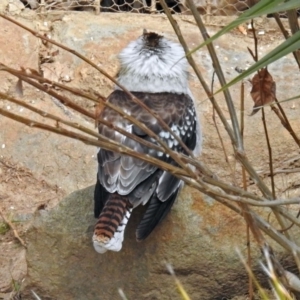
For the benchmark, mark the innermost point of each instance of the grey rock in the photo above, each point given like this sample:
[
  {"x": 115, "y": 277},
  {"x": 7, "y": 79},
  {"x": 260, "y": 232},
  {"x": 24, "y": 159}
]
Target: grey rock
[
  {"x": 62, "y": 263},
  {"x": 15, "y": 7}
]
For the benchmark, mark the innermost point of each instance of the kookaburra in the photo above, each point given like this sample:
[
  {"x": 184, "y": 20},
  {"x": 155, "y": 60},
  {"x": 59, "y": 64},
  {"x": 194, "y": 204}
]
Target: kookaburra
[{"x": 155, "y": 71}]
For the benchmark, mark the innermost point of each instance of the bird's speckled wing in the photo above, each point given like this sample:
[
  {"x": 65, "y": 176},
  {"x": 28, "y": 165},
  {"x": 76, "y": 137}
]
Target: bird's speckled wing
[
  {"x": 121, "y": 173},
  {"x": 134, "y": 178}
]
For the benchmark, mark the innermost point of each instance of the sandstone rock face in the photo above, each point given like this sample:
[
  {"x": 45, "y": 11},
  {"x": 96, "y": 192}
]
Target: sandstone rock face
[{"x": 199, "y": 236}]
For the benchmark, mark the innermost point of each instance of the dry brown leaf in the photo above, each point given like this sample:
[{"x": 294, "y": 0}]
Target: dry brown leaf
[
  {"x": 242, "y": 29},
  {"x": 263, "y": 90}
]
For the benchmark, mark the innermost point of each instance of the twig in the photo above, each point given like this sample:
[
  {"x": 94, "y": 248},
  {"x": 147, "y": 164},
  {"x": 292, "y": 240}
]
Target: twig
[
  {"x": 285, "y": 121},
  {"x": 294, "y": 25},
  {"x": 218, "y": 132},
  {"x": 275, "y": 235},
  {"x": 269, "y": 151},
  {"x": 217, "y": 67},
  {"x": 290, "y": 226},
  {"x": 209, "y": 179},
  {"x": 12, "y": 227},
  {"x": 240, "y": 155},
  {"x": 66, "y": 101},
  {"x": 249, "y": 261},
  {"x": 63, "y": 99},
  {"x": 105, "y": 143},
  {"x": 226, "y": 195},
  {"x": 264, "y": 226},
  {"x": 135, "y": 99},
  {"x": 255, "y": 54},
  {"x": 242, "y": 124},
  {"x": 279, "y": 218},
  {"x": 80, "y": 127},
  {"x": 261, "y": 81},
  {"x": 196, "y": 69},
  {"x": 286, "y": 35},
  {"x": 113, "y": 146},
  {"x": 283, "y": 118}
]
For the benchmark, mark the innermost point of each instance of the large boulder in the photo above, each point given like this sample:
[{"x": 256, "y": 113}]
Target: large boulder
[{"x": 198, "y": 238}]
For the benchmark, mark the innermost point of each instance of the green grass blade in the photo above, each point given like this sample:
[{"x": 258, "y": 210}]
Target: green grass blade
[
  {"x": 271, "y": 8},
  {"x": 288, "y": 46},
  {"x": 261, "y": 8}
]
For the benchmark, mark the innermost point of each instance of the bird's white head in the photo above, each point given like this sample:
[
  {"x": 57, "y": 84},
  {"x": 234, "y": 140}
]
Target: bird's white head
[{"x": 154, "y": 64}]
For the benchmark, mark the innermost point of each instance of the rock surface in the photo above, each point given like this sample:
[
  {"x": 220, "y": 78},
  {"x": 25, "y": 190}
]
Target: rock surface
[
  {"x": 199, "y": 236},
  {"x": 196, "y": 238}
]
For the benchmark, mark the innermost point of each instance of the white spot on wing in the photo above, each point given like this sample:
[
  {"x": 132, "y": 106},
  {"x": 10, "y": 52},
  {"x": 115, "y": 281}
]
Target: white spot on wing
[
  {"x": 175, "y": 129},
  {"x": 164, "y": 134}
]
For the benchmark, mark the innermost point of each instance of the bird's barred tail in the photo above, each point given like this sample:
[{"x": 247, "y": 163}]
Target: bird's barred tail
[{"x": 109, "y": 229}]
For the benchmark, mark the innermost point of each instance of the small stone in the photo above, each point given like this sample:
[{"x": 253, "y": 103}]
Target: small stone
[{"x": 15, "y": 7}]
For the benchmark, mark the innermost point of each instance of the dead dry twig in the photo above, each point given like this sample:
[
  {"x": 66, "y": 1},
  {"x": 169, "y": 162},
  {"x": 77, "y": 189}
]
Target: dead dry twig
[{"x": 12, "y": 227}]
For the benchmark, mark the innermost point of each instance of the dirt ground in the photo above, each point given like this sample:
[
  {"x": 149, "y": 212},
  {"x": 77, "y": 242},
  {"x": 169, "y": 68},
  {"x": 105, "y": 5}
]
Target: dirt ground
[{"x": 23, "y": 195}]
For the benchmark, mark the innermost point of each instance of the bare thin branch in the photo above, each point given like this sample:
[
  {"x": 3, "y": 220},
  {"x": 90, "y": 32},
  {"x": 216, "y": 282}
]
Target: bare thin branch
[{"x": 12, "y": 227}]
